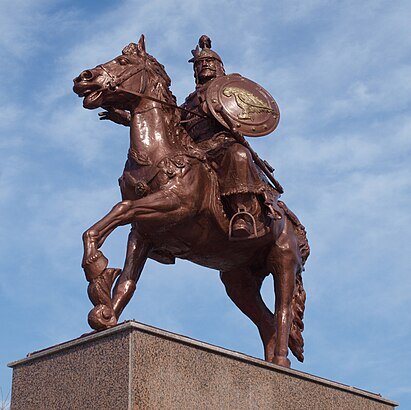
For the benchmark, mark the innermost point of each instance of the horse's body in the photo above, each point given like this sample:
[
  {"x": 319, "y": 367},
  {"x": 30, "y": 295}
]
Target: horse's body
[{"x": 171, "y": 199}]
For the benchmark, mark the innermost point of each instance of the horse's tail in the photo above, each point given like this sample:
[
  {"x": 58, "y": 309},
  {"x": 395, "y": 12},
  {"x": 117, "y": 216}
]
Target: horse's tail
[{"x": 296, "y": 340}]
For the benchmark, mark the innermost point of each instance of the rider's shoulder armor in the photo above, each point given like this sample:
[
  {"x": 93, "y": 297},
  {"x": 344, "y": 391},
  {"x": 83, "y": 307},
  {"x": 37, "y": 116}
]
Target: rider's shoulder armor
[{"x": 197, "y": 127}]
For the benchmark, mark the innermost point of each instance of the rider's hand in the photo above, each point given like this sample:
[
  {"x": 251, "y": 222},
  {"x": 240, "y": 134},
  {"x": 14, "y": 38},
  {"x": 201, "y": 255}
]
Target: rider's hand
[{"x": 115, "y": 115}]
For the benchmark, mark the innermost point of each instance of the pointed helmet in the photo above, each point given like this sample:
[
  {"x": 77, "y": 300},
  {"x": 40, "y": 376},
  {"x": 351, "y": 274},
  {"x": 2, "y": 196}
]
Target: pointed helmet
[{"x": 205, "y": 43}]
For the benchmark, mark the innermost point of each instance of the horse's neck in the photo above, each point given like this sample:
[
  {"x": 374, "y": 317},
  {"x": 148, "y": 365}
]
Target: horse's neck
[{"x": 151, "y": 133}]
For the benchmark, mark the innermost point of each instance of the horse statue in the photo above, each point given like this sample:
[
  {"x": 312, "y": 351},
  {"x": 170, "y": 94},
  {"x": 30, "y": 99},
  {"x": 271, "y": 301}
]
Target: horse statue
[{"x": 171, "y": 199}]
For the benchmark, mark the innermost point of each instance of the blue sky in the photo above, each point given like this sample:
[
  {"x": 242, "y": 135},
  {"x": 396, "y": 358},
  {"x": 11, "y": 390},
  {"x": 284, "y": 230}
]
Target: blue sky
[{"x": 340, "y": 72}]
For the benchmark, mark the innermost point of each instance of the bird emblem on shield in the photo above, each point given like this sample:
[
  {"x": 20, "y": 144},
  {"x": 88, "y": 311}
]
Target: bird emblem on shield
[
  {"x": 249, "y": 108},
  {"x": 248, "y": 102}
]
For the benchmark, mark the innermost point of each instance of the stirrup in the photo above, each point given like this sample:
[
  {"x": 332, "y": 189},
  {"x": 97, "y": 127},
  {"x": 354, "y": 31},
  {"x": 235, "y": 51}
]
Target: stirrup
[{"x": 241, "y": 211}]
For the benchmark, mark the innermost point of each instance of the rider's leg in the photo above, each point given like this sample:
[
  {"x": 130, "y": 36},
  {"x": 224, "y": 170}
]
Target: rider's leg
[
  {"x": 240, "y": 182},
  {"x": 243, "y": 224}
]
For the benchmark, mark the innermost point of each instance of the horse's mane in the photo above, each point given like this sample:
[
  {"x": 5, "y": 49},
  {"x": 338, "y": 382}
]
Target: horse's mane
[
  {"x": 162, "y": 82},
  {"x": 165, "y": 81}
]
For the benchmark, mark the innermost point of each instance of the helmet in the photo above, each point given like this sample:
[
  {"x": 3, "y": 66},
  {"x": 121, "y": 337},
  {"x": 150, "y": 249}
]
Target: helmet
[
  {"x": 205, "y": 43},
  {"x": 206, "y": 54}
]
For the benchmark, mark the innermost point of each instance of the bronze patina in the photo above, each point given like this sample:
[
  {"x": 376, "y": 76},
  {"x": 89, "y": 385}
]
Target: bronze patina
[
  {"x": 192, "y": 188},
  {"x": 249, "y": 108}
]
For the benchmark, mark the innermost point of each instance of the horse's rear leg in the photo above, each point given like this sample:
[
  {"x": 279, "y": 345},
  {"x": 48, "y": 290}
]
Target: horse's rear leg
[
  {"x": 243, "y": 288},
  {"x": 284, "y": 262}
]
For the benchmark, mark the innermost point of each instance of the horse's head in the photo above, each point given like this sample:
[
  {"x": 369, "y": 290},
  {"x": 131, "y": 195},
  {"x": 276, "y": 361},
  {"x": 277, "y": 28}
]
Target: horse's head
[{"x": 113, "y": 83}]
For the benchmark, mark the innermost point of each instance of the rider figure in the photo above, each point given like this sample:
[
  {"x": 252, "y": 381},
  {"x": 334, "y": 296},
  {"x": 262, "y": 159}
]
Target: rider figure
[
  {"x": 238, "y": 177},
  {"x": 239, "y": 180}
]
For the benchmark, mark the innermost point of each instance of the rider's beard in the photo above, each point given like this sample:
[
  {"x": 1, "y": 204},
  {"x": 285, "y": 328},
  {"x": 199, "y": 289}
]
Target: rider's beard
[{"x": 206, "y": 75}]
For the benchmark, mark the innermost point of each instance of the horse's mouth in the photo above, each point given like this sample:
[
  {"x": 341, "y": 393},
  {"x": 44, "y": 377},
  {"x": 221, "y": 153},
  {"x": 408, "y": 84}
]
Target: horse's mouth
[{"x": 91, "y": 99}]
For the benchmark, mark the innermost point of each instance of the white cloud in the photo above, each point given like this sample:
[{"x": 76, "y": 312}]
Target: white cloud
[
  {"x": 10, "y": 172},
  {"x": 340, "y": 73}
]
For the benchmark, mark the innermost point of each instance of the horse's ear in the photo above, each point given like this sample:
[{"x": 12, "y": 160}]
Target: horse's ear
[{"x": 141, "y": 45}]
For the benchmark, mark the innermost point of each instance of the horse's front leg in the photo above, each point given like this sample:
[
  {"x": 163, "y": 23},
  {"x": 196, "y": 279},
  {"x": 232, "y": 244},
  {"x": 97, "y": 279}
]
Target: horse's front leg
[
  {"x": 136, "y": 256},
  {"x": 100, "y": 278},
  {"x": 159, "y": 207},
  {"x": 94, "y": 262}
]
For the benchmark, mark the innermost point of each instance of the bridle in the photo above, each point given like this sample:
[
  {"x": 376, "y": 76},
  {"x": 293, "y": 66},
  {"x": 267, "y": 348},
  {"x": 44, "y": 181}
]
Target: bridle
[
  {"x": 114, "y": 86},
  {"x": 115, "y": 82}
]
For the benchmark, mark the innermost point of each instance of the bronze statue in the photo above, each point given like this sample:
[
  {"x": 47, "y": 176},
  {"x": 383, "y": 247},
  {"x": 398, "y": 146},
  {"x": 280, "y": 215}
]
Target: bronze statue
[
  {"x": 192, "y": 188},
  {"x": 238, "y": 177}
]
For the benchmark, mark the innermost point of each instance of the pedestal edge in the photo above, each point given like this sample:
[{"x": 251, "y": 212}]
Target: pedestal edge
[{"x": 133, "y": 325}]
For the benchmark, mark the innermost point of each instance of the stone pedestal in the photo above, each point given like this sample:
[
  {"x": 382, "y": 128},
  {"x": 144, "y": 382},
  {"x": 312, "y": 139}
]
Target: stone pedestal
[{"x": 134, "y": 366}]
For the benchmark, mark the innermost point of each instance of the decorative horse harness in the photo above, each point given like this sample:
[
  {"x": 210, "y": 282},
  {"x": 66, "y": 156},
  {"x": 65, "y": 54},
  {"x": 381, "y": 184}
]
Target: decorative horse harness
[{"x": 171, "y": 165}]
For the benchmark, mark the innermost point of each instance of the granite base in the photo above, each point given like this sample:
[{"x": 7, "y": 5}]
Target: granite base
[{"x": 135, "y": 366}]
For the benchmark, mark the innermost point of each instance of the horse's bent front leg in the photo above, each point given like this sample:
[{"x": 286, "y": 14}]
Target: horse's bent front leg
[
  {"x": 158, "y": 207},
  {"x": 94, "y": 262},
  {"x": 100, "y": 277}
]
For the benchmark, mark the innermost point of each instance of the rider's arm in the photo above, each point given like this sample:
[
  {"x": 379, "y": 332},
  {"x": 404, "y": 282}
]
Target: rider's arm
[{"x": 115, "y": 115}]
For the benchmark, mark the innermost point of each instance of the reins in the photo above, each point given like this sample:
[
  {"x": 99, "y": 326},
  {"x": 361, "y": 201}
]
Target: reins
[
  {"x": 114, "y": 86},
  {"x": 148, "y": 97}
]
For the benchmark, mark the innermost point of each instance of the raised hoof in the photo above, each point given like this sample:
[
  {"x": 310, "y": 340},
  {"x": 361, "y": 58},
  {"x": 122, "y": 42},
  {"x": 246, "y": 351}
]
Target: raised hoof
[
  {"x": 94, "y": 265},
  {"x": 99, "y": 289},
  {"x": 102, "y": 317},
  {"x": 281, "y": 361}
]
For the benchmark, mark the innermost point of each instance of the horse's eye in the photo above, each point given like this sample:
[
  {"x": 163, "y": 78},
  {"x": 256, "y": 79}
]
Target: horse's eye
[{"x": 122, "y": 61}]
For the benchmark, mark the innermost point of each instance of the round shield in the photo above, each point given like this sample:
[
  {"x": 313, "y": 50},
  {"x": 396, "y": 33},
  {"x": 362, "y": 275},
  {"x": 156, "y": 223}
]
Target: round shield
[{"x": 242, "y": 105}]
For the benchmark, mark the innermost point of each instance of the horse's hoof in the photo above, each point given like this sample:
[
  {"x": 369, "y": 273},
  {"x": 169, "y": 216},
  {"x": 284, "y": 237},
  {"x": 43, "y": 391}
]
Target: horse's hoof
[
  {"x": 102, "y": 317},
  {"x": 281, "y": 361},
  {"x": 94, "y": 265}
]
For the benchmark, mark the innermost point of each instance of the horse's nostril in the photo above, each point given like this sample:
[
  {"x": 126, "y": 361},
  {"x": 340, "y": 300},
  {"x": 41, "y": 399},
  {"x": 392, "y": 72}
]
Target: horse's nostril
[{"x": 86, "y": 75}]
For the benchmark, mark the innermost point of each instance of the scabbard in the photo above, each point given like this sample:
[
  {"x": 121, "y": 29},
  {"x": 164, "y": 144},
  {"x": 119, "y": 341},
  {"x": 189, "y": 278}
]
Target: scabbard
[{"x": 262, "y": 164}]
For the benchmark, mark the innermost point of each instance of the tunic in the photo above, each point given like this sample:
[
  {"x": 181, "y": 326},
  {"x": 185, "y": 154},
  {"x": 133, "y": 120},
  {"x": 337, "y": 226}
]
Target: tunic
[{"x": 233, "y": 163}]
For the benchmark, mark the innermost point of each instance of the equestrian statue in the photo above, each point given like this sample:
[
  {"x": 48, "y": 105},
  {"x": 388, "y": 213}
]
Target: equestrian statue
[{"x": 193, "y": 188}]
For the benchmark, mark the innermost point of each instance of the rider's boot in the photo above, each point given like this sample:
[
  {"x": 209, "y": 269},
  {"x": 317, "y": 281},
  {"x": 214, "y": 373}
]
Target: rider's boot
[{"x": 244, "y": 207}]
